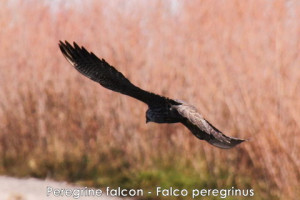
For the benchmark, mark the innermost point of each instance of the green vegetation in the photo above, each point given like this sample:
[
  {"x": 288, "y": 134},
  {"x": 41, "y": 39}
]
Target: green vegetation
[{"x": 171, "y": 174}]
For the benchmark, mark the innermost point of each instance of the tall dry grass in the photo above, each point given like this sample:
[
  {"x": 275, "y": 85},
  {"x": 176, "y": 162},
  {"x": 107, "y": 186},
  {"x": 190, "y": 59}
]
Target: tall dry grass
[{"x": 237, "y": 61}]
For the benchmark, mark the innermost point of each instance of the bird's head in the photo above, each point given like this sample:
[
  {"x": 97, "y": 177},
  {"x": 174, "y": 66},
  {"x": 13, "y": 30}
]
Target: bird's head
[
  {"x": 148, "y": 116},
  {"x": 147, "y": 119}
]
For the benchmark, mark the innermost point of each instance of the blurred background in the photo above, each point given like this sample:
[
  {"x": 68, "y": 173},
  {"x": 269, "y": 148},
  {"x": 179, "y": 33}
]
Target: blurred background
[{"x": 236, "y": 61}]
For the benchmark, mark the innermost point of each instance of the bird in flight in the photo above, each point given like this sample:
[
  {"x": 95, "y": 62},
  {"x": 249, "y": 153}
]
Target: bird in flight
[{"x": 160, "y": 109}]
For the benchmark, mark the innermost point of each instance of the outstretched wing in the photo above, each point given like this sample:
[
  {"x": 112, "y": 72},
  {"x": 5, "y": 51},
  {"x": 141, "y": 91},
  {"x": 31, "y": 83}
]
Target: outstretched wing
[
  {"x": 203, "y": 130},
  {"x": 100, "y": 71}
]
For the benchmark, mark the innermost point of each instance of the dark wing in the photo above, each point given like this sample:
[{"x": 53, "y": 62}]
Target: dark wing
[
  {"x": 100, "y": 71},
  {"x": 203, "y": 130}
]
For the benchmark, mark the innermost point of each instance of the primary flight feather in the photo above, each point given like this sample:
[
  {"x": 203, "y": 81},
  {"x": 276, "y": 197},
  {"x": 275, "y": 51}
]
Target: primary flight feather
[{"x": 160, "y": 109}]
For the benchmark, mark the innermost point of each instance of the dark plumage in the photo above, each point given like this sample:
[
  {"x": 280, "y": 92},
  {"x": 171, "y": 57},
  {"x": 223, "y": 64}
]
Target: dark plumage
[{"x": 160, "y": 109}]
